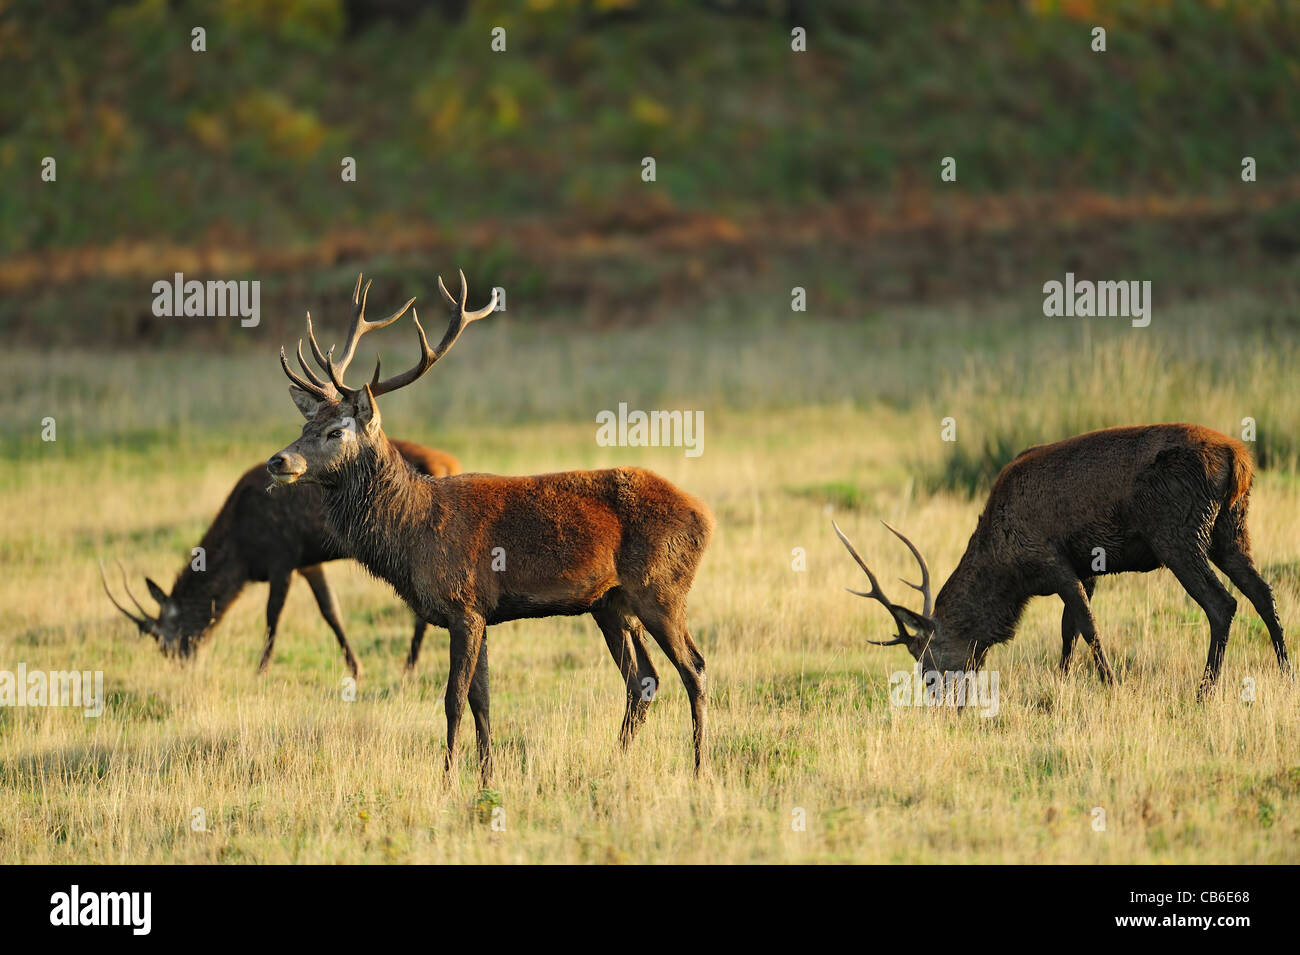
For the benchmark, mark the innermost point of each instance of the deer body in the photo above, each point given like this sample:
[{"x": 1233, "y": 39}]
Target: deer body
[
  {"x": 559, "y": 542},
  {"x": 474, "y": 550},
  {"x": 264, "y": 537},
  {"x": 1113, "y": 501}
]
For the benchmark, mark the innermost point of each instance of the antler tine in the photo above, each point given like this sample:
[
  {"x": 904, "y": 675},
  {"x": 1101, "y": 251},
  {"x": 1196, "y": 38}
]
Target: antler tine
[
  {"x": 125, "y": 584},
  {"x": 447, "y": 296},
  {"x": 875, "y": 593},
  {"x": 464, "y": 296},
  {"x": 141, "y": 622},
  {"x": 427, "y": 357},
  {"x": 359, "y": 327},
  {"x": 315, "y": 348},
  {"x": 316, "y": 379},
  {"x": 302, "y": 383},
  {"x": 924, "y": 586},
  {"x": 461, "y": 318}
]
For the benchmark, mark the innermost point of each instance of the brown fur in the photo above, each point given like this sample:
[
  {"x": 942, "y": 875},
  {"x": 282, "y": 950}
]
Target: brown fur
[
  {"x": 1172, "y": 495},
  {"x": 620, "y": 544},
  {"x": 261, "y": 536},
  {"x": 473, "y": 550}
]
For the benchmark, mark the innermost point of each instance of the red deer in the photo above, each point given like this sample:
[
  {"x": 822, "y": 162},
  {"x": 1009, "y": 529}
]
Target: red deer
[
  {"x": 474, "y": 550},
  {"x": 1169, "y": 495},
  {"x": 258, "y": 536}
]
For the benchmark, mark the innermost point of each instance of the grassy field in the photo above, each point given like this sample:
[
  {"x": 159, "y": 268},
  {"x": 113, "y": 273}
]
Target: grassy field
[{"x": 804, "y": 420}]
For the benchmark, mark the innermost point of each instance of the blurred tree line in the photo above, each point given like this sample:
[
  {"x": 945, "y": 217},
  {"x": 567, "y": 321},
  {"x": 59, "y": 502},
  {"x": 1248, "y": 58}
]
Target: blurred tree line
[{"x": 243, "y": 143}]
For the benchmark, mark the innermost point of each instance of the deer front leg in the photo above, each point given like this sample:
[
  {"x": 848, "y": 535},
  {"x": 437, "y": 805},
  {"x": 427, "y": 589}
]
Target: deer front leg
[
  {"x": 1069, "y": 630},
  {"x": 466, "y": 642},
  {"x": 274, "y": 604},
  {"x": 1075, "y": 596},
  {"x": 417, "y": 638},
  {"x": 1070, "y": 627}
]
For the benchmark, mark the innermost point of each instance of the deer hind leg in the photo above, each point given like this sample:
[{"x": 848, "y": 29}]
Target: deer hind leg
[
  {"x": 478, "y": 705},
  {"x": 1230, "y": 550},
  {"x": 626, "y": 642},
  {"x": 1070, "y": 627},
  {"x": 329, "y": 609},
  {"x": 1198, "y": 579},
  {"x": 417, "y": 638},
  {"x": 666, "y": 622},
  {"x": 467, "y": 636},
  {"x": 1075, "y": 596},
  {"x": 274, "y": 604}
]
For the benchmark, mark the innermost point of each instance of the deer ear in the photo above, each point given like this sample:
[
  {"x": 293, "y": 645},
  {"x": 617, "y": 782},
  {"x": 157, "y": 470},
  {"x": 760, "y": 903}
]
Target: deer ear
[
  {"x": 915, "y": 621},
  {"x": 155, "y": 591},
  {"x": 308, "y": 404},
  {"x": 367, "y": 411}
]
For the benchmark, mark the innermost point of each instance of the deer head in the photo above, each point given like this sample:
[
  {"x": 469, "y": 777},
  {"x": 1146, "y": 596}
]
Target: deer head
[
  {"x": 175, "y": 633},
  {"x": 343, "y": 421},
  {"x": 924, "y": 633}
]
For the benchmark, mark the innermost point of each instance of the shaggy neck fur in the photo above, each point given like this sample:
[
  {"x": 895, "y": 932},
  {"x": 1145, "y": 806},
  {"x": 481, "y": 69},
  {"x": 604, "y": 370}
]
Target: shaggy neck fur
[
  {"x": 981, "y": 606},
  {"x": 378, "y": 508},
  {"x": 202, "y": 597}
]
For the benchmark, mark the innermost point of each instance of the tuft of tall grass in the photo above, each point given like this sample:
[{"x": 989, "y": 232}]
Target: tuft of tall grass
[{"x": 1002, "y": 406}]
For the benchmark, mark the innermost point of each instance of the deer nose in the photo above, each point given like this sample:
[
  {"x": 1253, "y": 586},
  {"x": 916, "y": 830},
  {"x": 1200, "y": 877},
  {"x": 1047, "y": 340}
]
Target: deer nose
[{"x": 286, "y": 467}]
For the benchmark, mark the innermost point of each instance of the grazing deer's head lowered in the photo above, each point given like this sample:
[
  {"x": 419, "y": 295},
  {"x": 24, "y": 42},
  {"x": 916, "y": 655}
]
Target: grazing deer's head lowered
[
  {"x": 177, "y": 627},
  {"x": 922, "y": 632},
  {"x": 474, "y": 550},
  {"x": 1107, "y": 502},
  {"x": 259, "y": 536}
]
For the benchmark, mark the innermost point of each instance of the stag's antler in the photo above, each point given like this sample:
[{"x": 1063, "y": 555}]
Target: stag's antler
[
  {"x": 875, "y": 593},
  {"x": 360, "y": 326},
  {"x": 144, "y": 621},
  {"x": 924, "y": 585}
]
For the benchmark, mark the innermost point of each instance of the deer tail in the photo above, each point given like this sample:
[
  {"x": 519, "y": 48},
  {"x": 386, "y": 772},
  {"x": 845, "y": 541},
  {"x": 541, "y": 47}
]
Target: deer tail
[{"x": 1241, "y": 474}]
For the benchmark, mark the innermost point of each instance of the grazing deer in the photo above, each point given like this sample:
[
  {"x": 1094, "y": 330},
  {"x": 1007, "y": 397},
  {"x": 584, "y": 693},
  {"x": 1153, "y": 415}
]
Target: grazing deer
[
  {"x": 474, "y": 550},
  {"x": 1169, "y": 495},
  {"x": 258, "y": 536}
]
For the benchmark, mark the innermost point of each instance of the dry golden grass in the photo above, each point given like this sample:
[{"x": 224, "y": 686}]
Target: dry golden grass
[{"x": 285, "y": 770}]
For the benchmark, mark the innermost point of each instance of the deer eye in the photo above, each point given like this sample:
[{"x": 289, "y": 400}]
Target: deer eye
[{"x": 336, "y": 433}]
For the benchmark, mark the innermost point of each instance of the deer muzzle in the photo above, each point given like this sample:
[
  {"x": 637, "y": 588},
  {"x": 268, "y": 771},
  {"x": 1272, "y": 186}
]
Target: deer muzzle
[{"x": 286, "y": 467}]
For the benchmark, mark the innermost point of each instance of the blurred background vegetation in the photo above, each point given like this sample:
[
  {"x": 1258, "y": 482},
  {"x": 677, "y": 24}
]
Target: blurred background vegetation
[
  {"x": 229, "y": 160},
  {"x": 775, "y": 169}
]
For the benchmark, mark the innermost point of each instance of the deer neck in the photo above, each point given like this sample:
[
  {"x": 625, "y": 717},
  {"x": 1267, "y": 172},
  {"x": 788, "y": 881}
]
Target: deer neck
[
  {"x": 980, "y": 605},
  {"x": 379, "y": 509},
  {"x": 203, "y": 596}
]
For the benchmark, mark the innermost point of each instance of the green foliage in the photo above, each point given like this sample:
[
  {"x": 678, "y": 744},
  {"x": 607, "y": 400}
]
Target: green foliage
[{"x": 245, "y": 140}]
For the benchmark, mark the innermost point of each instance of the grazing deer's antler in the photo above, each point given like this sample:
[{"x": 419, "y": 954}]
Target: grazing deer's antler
[
  {"x": 875, "y": 593},
  {"x": 924, "y": 585},
  {"x": 145, "y": 622}
]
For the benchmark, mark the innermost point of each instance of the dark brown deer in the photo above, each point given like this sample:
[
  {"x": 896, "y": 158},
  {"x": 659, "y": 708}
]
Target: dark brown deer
[
  {"x": 1139, "y": 498},
  {"x": 259, "y": 536},
  {"x": 474, "y": 550}
]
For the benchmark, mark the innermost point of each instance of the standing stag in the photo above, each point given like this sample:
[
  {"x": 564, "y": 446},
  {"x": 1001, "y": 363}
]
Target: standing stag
[
  {"x": 1169, "y": 495},
  {"x": 474, "y": 550},
  {"x": 258, "y": 536}
]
